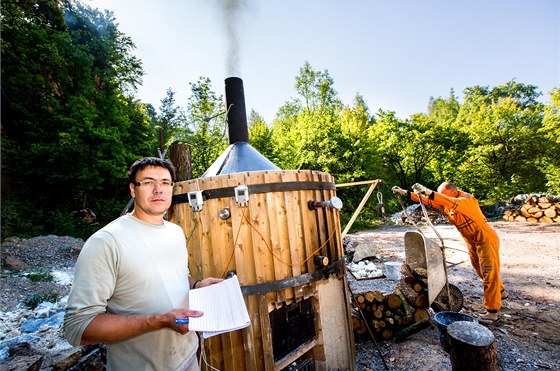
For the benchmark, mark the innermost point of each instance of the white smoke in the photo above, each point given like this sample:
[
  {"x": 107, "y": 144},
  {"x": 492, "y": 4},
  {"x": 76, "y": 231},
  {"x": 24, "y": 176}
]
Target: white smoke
[{"x": 233, "y": 12}]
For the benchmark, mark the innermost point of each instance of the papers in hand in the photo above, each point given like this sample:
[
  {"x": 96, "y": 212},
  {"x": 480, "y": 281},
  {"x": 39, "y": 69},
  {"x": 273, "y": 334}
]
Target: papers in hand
[{"x": 223, "y": 306}]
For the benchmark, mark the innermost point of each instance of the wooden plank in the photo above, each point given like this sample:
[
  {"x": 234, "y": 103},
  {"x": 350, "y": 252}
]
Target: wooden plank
[
  {"x": 252, "y": 339},
  {"x": 280, "y": 246},
  {"x": 296, "y": 252},
  {"x": 309, "y": 217},
  {"x": 358, "y": 210},
  {"x": 259, "y": 217},
  {"x": 266, "y": 334},
  {"x": 356, "y": 183},
  {"x": 285, "y": 362}
]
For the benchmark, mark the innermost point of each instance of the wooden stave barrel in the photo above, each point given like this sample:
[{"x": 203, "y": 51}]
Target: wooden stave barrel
[{"x": 291, "y": 230}]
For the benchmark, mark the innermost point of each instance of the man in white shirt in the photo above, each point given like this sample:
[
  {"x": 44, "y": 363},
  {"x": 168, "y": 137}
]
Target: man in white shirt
[{"x": 132, "y": 282}]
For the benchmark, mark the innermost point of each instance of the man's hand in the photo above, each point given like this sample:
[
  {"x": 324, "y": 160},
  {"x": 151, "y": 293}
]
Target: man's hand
[
  {"x": 175, "y": 319},
  {"x": 420, "y": 189},
  {"x": 399, "y": 191},
  {"x": 208, "y": 281}
]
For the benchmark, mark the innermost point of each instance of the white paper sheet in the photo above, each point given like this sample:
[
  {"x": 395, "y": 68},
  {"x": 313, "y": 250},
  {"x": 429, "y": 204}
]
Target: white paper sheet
[{"x": 223, "y": 306}]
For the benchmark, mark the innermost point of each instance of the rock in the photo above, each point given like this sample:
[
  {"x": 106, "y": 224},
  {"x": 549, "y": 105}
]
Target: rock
[
  {"x": 18, "y": 363},
  {"x": 11, "y": 262},
  {"x": 365, "y": 250},
  {"x": 21, "y": 339},
  {"x": 33, "y": 325},
  {"x": 64, "y": 360}
]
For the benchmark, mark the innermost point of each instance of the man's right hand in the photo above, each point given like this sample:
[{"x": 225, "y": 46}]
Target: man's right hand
[
  {"x": 399, "y": 191},
  {"x": 172, "y": 316}
]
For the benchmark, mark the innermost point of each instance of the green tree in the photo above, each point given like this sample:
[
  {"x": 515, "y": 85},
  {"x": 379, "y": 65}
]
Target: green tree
[
  {"x": 448, "y": 136},
  {"x": 205, "y": 126},
  {"x": 550, "y": 147},
  {"x": 170, "y": 120},
  {"x": 69, "y": 129},
  {"x": 306, "y": 129},
  {"x": 502, "y": 123},
  {"x": 394, "y": 143},
  {"x": 260, "y": 136}
]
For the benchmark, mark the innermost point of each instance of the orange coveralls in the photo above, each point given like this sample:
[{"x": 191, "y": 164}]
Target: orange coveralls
[{"x": 482, "y": 241}]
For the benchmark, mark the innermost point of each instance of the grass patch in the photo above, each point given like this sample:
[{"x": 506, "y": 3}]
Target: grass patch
[
  {"x": 36, "y": 275},
  {"x": 37, "y": 299}
]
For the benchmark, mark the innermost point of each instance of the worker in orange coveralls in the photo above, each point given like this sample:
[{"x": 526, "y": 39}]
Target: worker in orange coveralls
[{"x": 483, "y": 243}]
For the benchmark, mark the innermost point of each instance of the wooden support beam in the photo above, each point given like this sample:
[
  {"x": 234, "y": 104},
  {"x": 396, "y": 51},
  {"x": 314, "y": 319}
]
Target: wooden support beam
[{"x": 361, "y": 205}]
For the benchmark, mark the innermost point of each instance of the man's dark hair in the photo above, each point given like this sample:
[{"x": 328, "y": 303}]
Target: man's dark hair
[{"x": 149, "y": 161}]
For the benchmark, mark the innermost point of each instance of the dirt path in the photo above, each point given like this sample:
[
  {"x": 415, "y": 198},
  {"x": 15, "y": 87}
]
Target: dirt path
[{"x": 528, "y": 336}]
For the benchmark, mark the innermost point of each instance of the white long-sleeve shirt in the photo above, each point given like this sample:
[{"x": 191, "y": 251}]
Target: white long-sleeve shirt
[{"x": 131, "y": 267}]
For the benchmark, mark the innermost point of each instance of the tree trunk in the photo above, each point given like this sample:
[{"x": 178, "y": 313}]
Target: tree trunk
[
  {"x": 472, "y": 347},
  {"x": 180, "y": 156}
]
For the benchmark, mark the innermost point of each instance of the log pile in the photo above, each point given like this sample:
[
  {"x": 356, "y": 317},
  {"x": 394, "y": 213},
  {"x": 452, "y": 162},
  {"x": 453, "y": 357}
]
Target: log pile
[
  {"x": 387, "y": 314},
  {"x": 415, "y": 216},
  {"x": 536, "y": 209}
]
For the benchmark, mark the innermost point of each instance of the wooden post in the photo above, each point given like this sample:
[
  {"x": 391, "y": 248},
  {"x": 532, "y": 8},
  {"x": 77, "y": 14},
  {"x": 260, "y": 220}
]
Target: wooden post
[
  {"x": 472, "y": 347},
  {"x": 180, "y": 156},
  {"x": 361, "y": 205}
]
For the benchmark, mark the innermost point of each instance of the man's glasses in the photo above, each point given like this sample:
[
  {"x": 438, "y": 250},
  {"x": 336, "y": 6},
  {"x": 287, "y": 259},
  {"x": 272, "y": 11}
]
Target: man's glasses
[{"x": 152, "y": 183}]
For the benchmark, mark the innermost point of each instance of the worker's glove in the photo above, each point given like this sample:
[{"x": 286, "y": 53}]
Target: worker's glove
[
  {"x": 420, "y": 189},
  {"x": 399, "y": 191}
]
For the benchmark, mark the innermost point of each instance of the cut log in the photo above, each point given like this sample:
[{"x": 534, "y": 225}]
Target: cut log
[
  {"x": 406, "y": 271},
  {"x": 544, "y": 205},
  {"x": 417, "y": 286},
  {"x": 420, "y": 272},
  {"x": 551, "y": 212},
  {"x": 545, "y": 219},
  {"x": 537, "y": 214},
  {"x": 393, "y": 301},
  {"x": 532, "y": 220},
  {"x": 408, "y": 292},
  {"x": 412, "y": 329},
  {"x": 378, "y": 296},
  {"x": 407, "y": 312},
  {"x": 357, "y": 322},
  {"x": 472, "y": 347},
  {"x": 421, "y": 314},
  {"x": 421, "y": 301},
  {"x": 533, "y": 210},
  {"x": 525, "y": 210},
  {"x": 387, "y": 334}
]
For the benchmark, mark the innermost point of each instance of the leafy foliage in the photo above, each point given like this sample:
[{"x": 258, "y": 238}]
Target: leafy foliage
[{"x": 71, "y": 127}]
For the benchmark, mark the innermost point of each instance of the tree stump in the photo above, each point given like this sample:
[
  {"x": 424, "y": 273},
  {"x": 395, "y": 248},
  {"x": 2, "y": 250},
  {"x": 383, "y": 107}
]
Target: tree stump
[
  {"x": 180, "y": 156},
  {"x": 472, "y": 347}
]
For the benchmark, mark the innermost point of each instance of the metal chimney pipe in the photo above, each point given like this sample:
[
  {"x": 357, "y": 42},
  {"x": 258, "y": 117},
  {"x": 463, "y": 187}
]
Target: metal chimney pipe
[{"x": 237, "y": 116}]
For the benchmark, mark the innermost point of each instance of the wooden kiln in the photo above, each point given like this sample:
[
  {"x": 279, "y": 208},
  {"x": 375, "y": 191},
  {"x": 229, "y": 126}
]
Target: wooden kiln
[{"x": 279, "y": 231}]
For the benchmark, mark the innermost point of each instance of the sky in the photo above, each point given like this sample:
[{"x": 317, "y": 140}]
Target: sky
[{"x": 396, "y": 54}]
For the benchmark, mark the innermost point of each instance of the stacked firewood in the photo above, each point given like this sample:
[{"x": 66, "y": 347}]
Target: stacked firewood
[
  {"x": 389, "y": 314},
  {"x": 536, "y": 209},
  {"x": 416, "y": 215}
]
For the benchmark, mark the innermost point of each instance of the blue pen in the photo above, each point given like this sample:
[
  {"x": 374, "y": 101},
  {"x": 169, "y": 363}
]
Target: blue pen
[{"x": 182, "y": 321}]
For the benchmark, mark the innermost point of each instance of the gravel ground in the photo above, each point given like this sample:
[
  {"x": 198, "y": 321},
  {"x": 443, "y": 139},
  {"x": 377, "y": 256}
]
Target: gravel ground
[{"x": 528, "y": 337}]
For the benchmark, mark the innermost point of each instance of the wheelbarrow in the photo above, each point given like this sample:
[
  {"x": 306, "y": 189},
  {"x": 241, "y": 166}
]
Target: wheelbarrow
[{"x": 422, "y": 252}]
